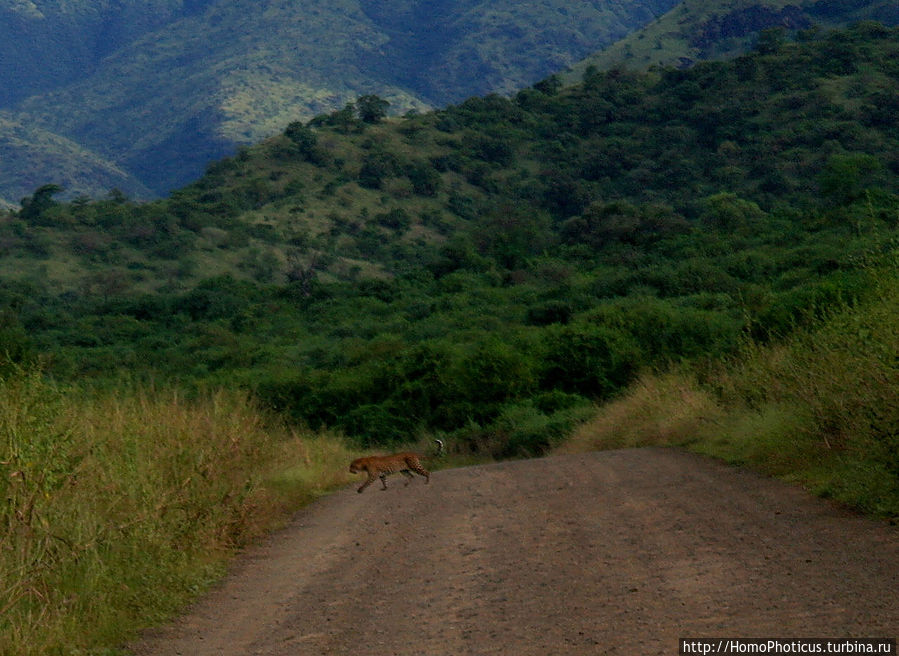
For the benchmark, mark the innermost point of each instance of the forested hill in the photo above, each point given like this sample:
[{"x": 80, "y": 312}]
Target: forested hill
[
  {"x": 490, "y": 268},
  {"x": 159, "y": 88},
  {"x": 699, "y": 30}
]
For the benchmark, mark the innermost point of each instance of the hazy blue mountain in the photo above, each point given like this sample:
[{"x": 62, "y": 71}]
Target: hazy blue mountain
[
  {"x": 161, "y": 87},
  {"x": 30, "y": 156},
  {"x": 48, "y": 43}
]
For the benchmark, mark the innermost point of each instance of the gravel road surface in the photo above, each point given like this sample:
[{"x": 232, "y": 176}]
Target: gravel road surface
[{"x": 618, "y": 552}]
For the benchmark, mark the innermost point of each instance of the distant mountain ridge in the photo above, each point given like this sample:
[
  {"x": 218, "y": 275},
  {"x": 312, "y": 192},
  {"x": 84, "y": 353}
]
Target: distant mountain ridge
[
  {"x": 158, "y": 88},
  {"x": 141, "y": 94},
  {"x": 33, "y": 151},
  {"x": 698, "y": 30},
  {"x": 48, "y": 43}
]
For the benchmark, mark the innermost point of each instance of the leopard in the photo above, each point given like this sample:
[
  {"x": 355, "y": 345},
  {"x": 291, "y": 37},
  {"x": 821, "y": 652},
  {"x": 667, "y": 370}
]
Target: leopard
[{"x": 396, "y": 463}]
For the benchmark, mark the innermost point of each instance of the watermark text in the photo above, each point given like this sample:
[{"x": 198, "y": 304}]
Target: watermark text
[{"x": 704, "y": 646}]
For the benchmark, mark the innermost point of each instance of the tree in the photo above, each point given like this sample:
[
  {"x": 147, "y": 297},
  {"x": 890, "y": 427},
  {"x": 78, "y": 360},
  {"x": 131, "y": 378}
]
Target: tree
[
  {"x": 424, "y": 177},
  {"x": 371, "y": 108},
  {"x": 377, "y": 165},
  {"x": 302, "y": 136},
  {"x": 589, "y": 360},
  {"x": 727, "y": 211},
  {"x": 605, "y": 224},
  {"x": 512, "y": 233},
  {"x": 342, "y": 119},
  {"x": 550, "y": 86},
  {"x": 770, "y": 40},
  {"x": 846, "y": 176},
  {"x": 304, "y": 141},
  {"x": 39, "y": 202}
]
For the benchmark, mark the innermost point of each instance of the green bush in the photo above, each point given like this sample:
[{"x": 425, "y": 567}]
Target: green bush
[
  {"x": 593, "y": 361},
  {"x": 665, "y": 331},
  {"x": 548, "y": 313},
  {"x": 378, "y": 165},
  {"x": 493, "y": 371}
]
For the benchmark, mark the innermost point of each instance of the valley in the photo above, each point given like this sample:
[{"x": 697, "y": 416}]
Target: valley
[
  {"x": 161, "y": 89},
  {"x": 699, "y": 256}
]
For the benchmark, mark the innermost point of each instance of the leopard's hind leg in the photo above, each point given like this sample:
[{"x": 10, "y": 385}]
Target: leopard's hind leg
[{"x": 421, "y": 471}]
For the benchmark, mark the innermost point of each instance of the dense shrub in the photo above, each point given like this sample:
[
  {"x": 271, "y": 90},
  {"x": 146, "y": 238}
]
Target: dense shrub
[
  {"x": 502, "y": 253},
  {"x": 589, "y": 360}
]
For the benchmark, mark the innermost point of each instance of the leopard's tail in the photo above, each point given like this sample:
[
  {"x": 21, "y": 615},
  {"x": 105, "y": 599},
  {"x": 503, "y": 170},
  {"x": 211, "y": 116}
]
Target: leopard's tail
[{"x": 441, "y": 449}]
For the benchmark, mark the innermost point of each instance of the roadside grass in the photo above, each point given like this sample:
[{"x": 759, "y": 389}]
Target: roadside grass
[
  {"x": 820, "y": 409},
  {"x": 118, "y": 507}
]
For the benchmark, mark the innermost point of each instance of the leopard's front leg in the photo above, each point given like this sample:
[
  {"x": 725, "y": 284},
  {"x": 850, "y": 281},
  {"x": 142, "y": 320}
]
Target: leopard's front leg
[{"x": 371, "y": 478}]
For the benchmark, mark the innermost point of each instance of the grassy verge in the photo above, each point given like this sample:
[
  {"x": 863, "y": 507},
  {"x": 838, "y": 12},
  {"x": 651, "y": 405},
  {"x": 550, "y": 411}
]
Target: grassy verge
[
  {"x": 115, "y": 508},
  {"x": 820, "y": 409}
]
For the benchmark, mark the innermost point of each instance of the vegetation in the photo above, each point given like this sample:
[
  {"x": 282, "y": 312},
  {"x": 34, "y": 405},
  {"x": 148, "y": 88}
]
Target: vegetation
[
  {"x": 160, "y": 88},
  {"x": 708, "y": 253},
  {"x": 120, "y": 505},
  {"x": 29, "y": 153},
  {"x": 520, "y": 257},
  {"x": 818, "y": 409},
  {"x": 698, "y": 30}
]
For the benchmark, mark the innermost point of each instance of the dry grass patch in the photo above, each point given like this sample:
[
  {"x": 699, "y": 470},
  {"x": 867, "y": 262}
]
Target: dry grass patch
[
  {"x": 819, "y": 408},
  {"x": 122, "y": 505},
  {"x": 667, "y": 409}
]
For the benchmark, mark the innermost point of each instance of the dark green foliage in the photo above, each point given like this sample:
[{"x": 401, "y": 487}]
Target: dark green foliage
[
  {"x": 727, "y": 211},
  {"x": 493, "y": 372},
  {"x": 663, "y": 330},
  {"x": 425, "y": 178},
  {"x": 493, "y": 149},
  {"x": 305, "y": 142},
  {"x": 846, "y": 177},
  {"x": 550, "y": 86},
  {"x": 396, "y": 219},
  {"x": 36, "y": 206},
  {"x": 489, "y": 269},
  {"x": 216, "y": 298},
  {"x": 371, "y": 108},
  {"x": 15, "y": 346},
  {"x": 549, "y": 313},
  {"x": 343, "y": 120},
  {"x": 606, "y": 224},
  {"x": 510, "y": 234},
  {"x": 588, "y": 360},
  {"x": 376, "y": 166}
]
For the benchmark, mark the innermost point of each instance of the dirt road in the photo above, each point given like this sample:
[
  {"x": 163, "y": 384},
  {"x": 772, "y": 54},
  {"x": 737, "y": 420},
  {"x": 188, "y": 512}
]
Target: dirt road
[{"x": 620, "y": 552}]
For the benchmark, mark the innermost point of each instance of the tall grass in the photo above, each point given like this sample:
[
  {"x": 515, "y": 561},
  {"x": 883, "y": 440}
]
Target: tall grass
[
  {"x": 821, "y": 408},
  {"x": 117, "y": 507}
]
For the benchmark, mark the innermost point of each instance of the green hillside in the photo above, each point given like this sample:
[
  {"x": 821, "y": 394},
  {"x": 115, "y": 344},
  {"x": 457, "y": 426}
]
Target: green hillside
[
  {"x": 493, "y": 267},
  {"x": 186, "y": 86},
  {"x": 698, "y": 30},
  {"x": 30, "y": 156},
  {"x": 706, "y": 258}
]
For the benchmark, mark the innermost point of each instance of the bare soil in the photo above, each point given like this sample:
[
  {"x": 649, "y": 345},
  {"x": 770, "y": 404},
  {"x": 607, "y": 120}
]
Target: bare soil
[{"x": 619, "y": 552}]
